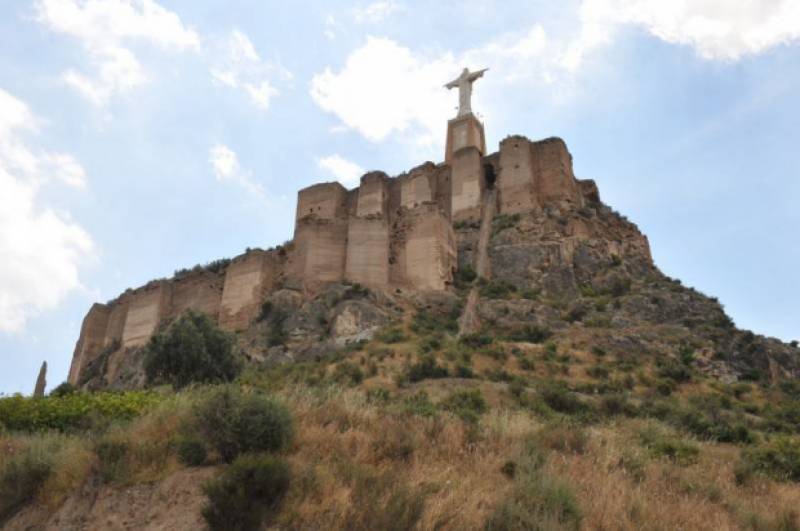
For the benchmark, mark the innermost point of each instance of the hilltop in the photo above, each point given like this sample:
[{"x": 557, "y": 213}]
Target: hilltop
[{"x": 480, "y": 343}]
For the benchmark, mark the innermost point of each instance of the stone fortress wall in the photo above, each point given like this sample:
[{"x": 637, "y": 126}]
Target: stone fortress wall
[{"x": 389, "y": 233}]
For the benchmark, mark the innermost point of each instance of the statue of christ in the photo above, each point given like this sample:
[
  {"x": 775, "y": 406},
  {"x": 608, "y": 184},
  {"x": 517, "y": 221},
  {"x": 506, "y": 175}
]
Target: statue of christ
[{"x": 464, "y": 83}]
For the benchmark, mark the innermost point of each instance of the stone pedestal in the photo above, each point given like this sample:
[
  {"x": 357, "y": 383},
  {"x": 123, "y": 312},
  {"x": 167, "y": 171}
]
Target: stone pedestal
[{"x": 463, "y": 132}]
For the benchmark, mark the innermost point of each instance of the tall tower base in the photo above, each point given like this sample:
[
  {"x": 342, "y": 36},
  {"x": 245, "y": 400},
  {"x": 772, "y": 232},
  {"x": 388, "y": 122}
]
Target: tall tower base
[{"x": 462, "y": 132}]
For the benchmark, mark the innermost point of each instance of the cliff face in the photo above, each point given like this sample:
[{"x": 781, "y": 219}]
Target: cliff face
[{"x": 554, "y": 255}]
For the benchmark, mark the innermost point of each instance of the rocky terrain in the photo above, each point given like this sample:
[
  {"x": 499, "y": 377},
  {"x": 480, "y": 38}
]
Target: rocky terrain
[{"x": 557, "y": 380}]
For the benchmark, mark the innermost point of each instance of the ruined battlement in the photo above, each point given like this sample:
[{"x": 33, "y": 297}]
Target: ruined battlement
[{"x": 388, "y": 233}]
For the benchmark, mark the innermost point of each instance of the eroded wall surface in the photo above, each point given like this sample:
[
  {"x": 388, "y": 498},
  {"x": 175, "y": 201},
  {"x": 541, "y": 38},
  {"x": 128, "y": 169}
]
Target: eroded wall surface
[
  {"x": 247, "y": 279},
  {"x": 516, "y": 179},
  {"x": 91, "y": 340},
  {"x": 200, "y": 291},
  {"x": 146, "y": 308},
  {"x": 430, "y": 250},
  {"x": 554, "y": 178},
  {"x": 368, "y": 251},
  {"x": 466, "y": 184}
]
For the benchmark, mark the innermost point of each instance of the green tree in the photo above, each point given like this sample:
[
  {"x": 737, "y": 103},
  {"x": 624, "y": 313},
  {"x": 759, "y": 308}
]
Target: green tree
[{"x": 192, "y": 349}]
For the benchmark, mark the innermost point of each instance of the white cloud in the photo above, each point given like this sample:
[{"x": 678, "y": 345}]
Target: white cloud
[
  {"x": 331, "y": 27},
  {"x": 224, "y": 162},
  {"x": 385, "y": 87},
  {"x": 239, "y": 66},
  {"x": 105, "y": 28},
  {"x": 346, "y": 172},
  {"x": 42, "y": 250},
  {"x": 374, "y": 12},
  {"x": 716, "y": 29},
  {"x": 225, "y": 165}
]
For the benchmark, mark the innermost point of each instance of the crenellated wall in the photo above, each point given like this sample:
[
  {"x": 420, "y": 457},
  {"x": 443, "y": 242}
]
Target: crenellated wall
[{"x": 388, "y": 232}]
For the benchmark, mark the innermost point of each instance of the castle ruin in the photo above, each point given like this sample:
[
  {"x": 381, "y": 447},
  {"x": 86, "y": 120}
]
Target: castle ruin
[{"x": 389, "y": 233}]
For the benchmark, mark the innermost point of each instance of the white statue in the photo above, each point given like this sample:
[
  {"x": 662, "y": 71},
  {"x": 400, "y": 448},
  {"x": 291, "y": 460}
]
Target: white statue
[{"x": 464, "y": 83}]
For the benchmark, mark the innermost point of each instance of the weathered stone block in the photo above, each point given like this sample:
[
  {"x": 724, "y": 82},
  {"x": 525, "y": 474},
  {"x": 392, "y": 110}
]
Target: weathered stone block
[
  {"x": 200, "y": 291},
  {"x": 464, "y": 132},
  {"x": 321, "y": 250},
  {"x": 430, "y": 249},
  {"x": 247, "y": 279},
  {"x": 91, "y": 340},
  {"x": 554, "y": 178},
  {"x": 372, "y": 195},
  {"x": 418, "y": 187},
  {"x": 147, "y": 307},
  {"x": 322, "y": 201},
  {"x": 368, "y": 251},
  {"x": 516, "y": 180},
  {"x": 466, "y": 184}
]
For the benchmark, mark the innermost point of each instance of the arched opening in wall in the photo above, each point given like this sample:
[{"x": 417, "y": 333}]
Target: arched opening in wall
[{"x": 489, "y": 176}]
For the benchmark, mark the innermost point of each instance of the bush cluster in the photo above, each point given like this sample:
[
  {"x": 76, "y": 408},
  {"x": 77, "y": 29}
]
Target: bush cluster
[
  {"x": 246, "y": 493},
  {"x": 233, "y": 422},
  {"x": 192, "y": 349},
  {"x": 73, "y": 411},
  {"x": 426, "y": 368}
]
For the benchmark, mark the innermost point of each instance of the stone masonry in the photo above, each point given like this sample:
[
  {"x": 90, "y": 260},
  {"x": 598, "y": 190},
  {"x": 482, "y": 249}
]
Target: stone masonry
[{"x": 388, "y": 233}]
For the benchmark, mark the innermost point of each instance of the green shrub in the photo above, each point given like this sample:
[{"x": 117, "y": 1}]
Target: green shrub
[
  {"x": 113, "y": 459},
  {"x": 246, "y": 493},
  {"x": 20, "y": 478},
  {"x": 779, "y": 459},
  {"x": 233, "y": 422},
  {"x": 598, "y": 371},
  {"x": 464, "y": 371},
  {"x": 430, "y": 343},
  {"x": 530, "y": 294},
  {"x": 476, "y": 340},
  {"x": 426, "y": 368},
  {"x": 348, "y": 373},
  {"x": 468, "y": 404},
  {"x": 497, "y": 289},
  {"x": 384, "y": 502},
  {"x": 427, "y": 322},
  {"x": 192, "y": 451},
  {"x": 537, "y": 502},
  {"x": 391, "y": 335},
  {"x": 266, "y": 310},
  {"x": 465, "y": 275},
  {"x": 575, "y": 313},
  {"x": 63, "y": 389},
  {"x": 662, "y": 445},
  {"x": 192, "y": 349},
  {"x": 562, "y": 400},
  {"x": 677, "y": 372},
  {"x": 530, "y": 334},
  {"x": 419, "y": 404},
  {"x": 75, "y": 411},
  {"x": 502, "y": 222}
]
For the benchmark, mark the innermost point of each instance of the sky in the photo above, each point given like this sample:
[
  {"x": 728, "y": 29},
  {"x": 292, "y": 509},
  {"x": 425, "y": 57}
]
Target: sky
[{"x": 138, "y": 137}]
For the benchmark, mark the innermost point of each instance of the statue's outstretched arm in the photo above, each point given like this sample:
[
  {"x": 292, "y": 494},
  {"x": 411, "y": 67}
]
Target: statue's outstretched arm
[
  {"x": 452, "y": 84},
  {"x": 475, "y": 75}
]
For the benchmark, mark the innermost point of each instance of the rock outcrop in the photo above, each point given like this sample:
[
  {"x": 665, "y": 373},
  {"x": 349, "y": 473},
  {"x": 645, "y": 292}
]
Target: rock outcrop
[{"x": 358, "y": 254}]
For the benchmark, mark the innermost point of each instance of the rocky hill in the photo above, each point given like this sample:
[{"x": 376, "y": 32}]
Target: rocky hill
[
  {"x": 478, "y": 344},
  {"x": 536, "y": 246}
]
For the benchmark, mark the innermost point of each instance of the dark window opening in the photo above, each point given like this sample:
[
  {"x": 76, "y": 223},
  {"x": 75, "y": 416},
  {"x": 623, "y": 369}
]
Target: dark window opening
[{"x": 489, "y": 176}]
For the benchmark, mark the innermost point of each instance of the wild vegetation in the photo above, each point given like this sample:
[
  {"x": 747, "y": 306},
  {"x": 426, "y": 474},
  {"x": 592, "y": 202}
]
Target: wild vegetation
[{"x": 418, "y": 429}]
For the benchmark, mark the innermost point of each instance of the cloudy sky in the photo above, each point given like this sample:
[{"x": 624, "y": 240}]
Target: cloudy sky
[{"x": 141, "y": 136}]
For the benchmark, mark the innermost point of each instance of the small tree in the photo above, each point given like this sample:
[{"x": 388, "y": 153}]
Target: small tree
[{"x": 192, "y": 349}]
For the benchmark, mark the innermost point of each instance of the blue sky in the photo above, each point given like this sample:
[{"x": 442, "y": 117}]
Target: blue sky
[{"x": 138, "y": 137}]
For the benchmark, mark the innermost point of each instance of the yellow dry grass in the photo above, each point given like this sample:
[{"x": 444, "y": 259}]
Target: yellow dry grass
[{"x": 342, "y": 440}]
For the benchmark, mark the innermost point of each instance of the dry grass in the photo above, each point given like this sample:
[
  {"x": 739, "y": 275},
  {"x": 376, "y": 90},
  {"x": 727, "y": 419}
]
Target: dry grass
[{"x": 345, "y": 445}]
